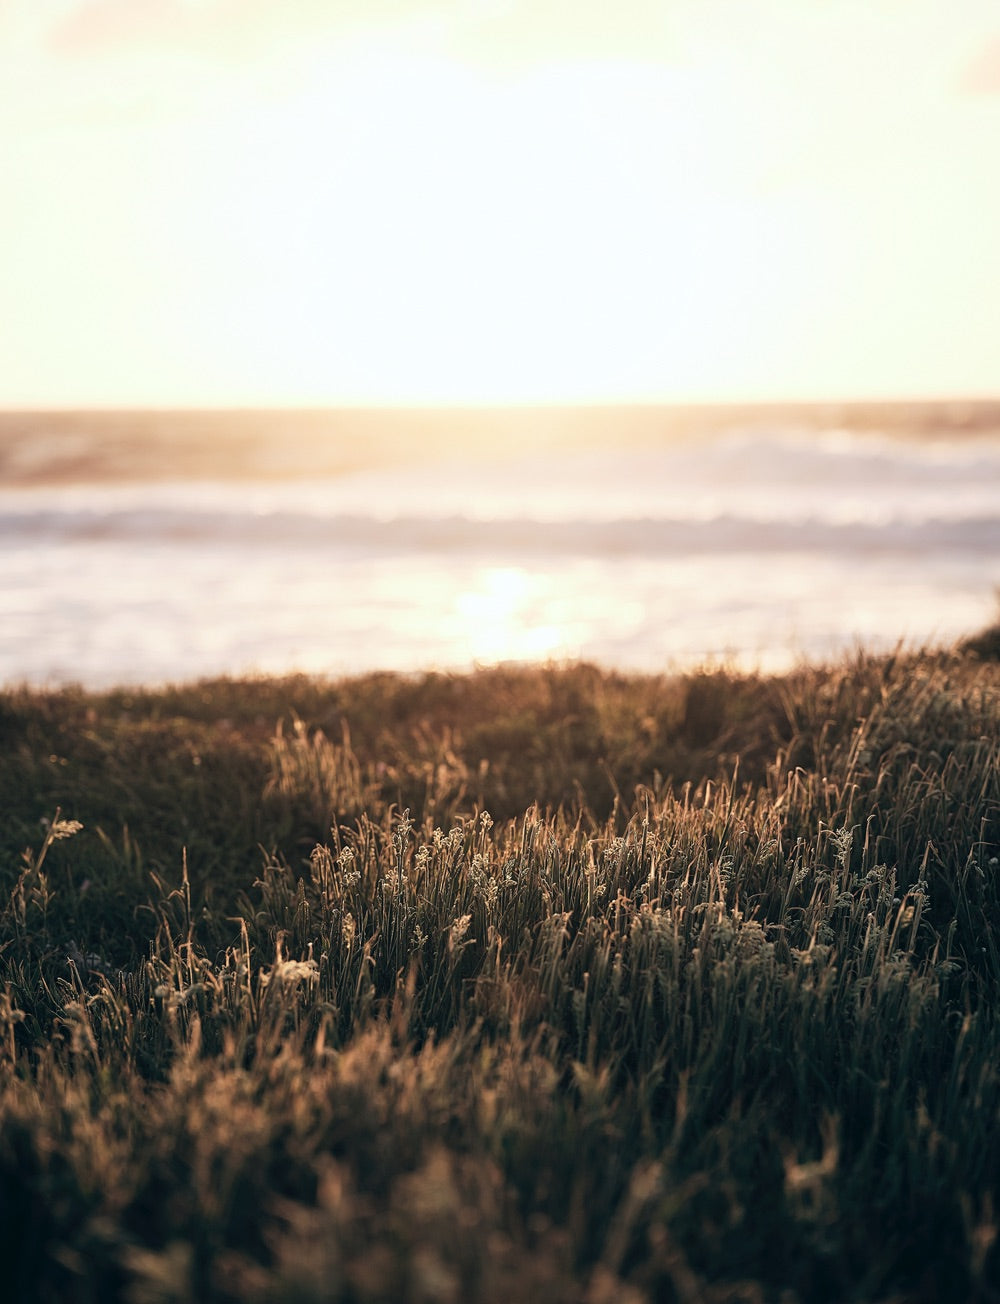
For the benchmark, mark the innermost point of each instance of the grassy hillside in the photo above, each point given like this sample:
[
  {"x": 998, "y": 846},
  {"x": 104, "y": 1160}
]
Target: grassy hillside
[{"x": 542, "y": 984}]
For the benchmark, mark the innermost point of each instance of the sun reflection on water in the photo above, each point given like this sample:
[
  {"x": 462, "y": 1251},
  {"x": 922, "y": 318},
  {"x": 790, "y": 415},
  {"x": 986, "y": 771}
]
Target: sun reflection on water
[{"x": 497, "y": 613}]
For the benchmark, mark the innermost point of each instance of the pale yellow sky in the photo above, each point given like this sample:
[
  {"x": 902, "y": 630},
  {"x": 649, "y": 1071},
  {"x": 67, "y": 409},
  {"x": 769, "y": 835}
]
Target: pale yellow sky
[{"x": 354, "y": 201}]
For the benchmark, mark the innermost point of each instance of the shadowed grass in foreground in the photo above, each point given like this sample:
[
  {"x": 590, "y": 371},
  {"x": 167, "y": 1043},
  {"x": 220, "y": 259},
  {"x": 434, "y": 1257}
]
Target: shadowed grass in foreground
[{"x": 527, "y": 985}]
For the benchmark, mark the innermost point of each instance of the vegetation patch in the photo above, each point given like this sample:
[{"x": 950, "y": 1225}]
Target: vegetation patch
[{"x": 533, "y": 984}]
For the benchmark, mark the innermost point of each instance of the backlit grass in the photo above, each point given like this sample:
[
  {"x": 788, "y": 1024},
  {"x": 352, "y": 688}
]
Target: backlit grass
[{"x": 540, "y": 984}]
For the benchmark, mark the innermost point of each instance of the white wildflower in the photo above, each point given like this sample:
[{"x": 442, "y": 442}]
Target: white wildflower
[
  {"x": 296, "y": 971},
  {"x": 843, "y": 842},
  {"x": 347, "y": 867},
  {"x": 64, "y": 829},
  {"x": 477, "y": 871},
  {"x": 459, "y": 928}
]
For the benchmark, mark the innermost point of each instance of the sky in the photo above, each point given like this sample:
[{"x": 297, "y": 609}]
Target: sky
[{"x": 310, "y": 202}]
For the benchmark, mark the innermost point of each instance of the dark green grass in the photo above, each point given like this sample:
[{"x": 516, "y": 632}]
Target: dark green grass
[{"x": 542, "y": 984}]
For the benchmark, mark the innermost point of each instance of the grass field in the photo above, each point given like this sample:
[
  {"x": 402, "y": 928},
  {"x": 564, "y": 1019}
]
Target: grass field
[{"x": 544, "y": 984}]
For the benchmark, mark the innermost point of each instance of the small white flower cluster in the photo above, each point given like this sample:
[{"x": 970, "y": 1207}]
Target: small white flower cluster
[
  {"x": 843, "y": 843},
  {"x": 450, "y": 841},
  {"x": 459, "y": 928},
  {"x": 616, "y": 848},
  {"x": 292, "y": 972},
  {"x": 483, "y": 884},
  {"x": 345, "y": 861},
  {"x": 64, "y": 829},
  {"x": 177, "y": 997}
]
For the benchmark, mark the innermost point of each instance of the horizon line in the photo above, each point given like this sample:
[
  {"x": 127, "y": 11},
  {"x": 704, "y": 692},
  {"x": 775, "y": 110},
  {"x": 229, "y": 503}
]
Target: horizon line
[{"x": 515, "y": 405}]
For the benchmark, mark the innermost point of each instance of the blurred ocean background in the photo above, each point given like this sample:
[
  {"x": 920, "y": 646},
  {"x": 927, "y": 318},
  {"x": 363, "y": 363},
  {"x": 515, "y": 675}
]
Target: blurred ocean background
[{"x": 150, "y": 547}]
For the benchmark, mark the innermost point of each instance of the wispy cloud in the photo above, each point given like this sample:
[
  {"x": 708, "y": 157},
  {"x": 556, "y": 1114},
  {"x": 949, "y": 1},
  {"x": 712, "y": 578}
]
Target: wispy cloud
[
  {"x": 501, "y": 31},
  {"x": 981, "y": 75},
  {"x": 219, "y": 28}
]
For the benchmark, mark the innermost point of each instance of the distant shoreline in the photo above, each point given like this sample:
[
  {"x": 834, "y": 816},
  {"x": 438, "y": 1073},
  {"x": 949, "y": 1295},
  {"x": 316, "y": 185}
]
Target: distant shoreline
[{"x": 62, "y": 446}]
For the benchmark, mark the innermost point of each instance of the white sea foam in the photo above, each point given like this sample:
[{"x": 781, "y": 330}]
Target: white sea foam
[{"x": 758, "y": 544}]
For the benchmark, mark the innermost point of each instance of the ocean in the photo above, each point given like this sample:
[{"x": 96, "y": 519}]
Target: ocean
[{"x": 152, "y": 547}]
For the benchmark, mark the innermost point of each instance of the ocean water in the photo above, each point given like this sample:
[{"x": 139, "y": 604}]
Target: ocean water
[{"x": 144, "y": 548}]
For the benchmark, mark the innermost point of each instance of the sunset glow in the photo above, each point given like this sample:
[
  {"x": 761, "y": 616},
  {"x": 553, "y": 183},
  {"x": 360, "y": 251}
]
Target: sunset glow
[{"x": 448, "y": 202}]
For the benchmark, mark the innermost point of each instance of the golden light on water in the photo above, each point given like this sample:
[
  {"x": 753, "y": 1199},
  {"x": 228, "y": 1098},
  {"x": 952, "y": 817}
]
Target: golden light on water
[{"x": 497, "y": 619}]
